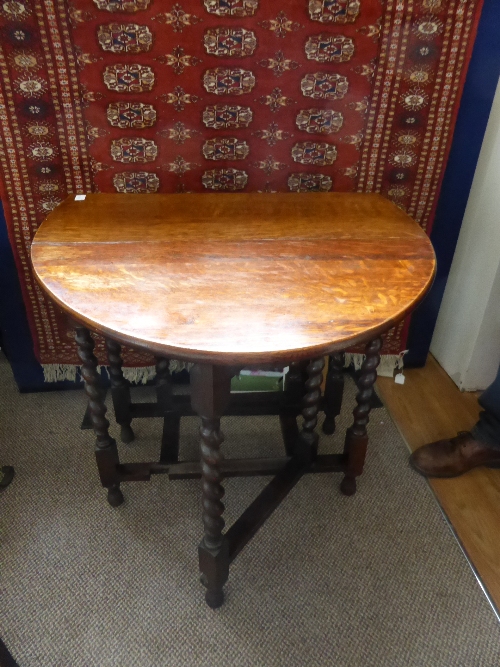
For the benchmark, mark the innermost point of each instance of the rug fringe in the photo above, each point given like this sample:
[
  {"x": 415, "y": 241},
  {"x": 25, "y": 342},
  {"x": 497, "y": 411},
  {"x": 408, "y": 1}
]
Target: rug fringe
[
  {"x": 61, "y": 372},
  {"x": 140, "y": 375},
  {"x": 146, "y": 373},
  {"x": 176, "y": 366},
  {"x": 388, "y": 362},
  {"x": 58, "y": 372}
]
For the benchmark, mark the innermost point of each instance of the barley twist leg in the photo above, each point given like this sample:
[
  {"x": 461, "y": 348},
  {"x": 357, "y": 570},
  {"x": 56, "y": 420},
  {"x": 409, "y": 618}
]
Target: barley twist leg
[
  {"x": 105, "y": 450},
  {"x": 120, "y": 391},
  {"x": 356, "y": 440},
  {"x": 307, "y": 445}
]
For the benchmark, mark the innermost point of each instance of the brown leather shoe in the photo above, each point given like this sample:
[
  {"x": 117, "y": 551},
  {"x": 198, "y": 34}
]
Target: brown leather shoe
[{"x": 453, "y": 457}]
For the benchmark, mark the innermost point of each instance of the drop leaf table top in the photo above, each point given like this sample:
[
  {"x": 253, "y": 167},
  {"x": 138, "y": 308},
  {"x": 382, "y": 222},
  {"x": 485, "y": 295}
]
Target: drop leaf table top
[
  {"x": 234, "y": 278},
  {"x": 224, "y": 280}
]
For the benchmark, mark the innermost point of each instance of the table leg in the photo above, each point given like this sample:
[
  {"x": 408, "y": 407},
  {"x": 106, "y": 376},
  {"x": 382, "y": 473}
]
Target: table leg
[
  {"x": 171, "y": 420},
  {"x": 294, "y": 392},
  {"x": 356, "y": 440},
  {"x": 210, "y": 392},
  {"x": 120, "y": 391},
  {"x": 295, "y": 380},
  {"x": 307, "y": 444},
  {"x": 163, "y": 382},
  {"x": 334, "y": 391},
  {"x": 106, "y": 452}
]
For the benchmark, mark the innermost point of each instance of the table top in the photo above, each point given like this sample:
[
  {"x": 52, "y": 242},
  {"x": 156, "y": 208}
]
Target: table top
[{"x": 234, "y": 278}]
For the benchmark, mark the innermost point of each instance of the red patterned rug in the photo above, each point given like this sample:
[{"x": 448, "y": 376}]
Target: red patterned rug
[{"x": 222, "y": 95}]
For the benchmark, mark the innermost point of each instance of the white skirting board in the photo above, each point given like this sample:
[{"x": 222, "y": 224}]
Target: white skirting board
[{"x": 388, "y": 362}]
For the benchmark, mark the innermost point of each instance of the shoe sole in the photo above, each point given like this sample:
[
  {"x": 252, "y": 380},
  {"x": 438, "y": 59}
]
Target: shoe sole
[{"x": 493, "y": 466}]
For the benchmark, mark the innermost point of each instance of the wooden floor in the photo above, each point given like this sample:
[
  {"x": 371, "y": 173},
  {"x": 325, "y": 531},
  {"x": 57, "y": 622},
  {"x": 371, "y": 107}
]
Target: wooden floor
[{"x": 429, "y": 406}]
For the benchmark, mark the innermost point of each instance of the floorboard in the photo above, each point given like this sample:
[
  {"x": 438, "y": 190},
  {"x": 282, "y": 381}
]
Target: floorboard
[{"x": 429, "y": 406}]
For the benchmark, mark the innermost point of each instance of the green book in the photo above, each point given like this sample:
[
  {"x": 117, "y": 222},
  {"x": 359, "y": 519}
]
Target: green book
[{"x": 250, "y": 380}]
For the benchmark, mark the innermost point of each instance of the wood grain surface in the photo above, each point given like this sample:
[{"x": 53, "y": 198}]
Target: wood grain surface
[
  {"x": 428, "y": 407},
  {"x": 234, "y": 277}
]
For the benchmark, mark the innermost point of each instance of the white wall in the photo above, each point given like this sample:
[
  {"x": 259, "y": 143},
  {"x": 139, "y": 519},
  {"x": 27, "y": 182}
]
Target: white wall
[{"x": 466, "y": 340}]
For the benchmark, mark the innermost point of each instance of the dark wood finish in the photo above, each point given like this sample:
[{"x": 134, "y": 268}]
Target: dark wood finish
[
  {"x": 120, "y": 391},
  {"x": 210, "y": 392},
  {"x": 289, "y": 430},
  {"x": 305, "y": 451},
  {"x": 294, "y": 381},
  {"x": 307, "y": 442},
  {"x": 170, "y": 439},
  {"x": 356, "y": 440},
  {"x": 247, "y": 525},
  {"x": 241, "y": 405},
  {"x": 228, "y": 282},
  {"x": 6, "y": 659},
  {"x": 292, "y": 405},
  {"x": 328, "y": 463},
  {"x": 309, "y": 275},
  {"x": 334, "y": 391},
  {"x": 87, "y": 421},
  {"x": 230, "y": 468},
  {"x": 106, "y": 452},
  {"x": 285, "y": 404},
  {"x": 139, "y": 472},
  {"x": 163, "y": 383},
  {"x": 171, "y": 417}
]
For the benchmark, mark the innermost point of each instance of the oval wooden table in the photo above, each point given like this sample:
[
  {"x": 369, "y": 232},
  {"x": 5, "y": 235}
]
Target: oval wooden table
[{"x": 226, "y": 281}]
